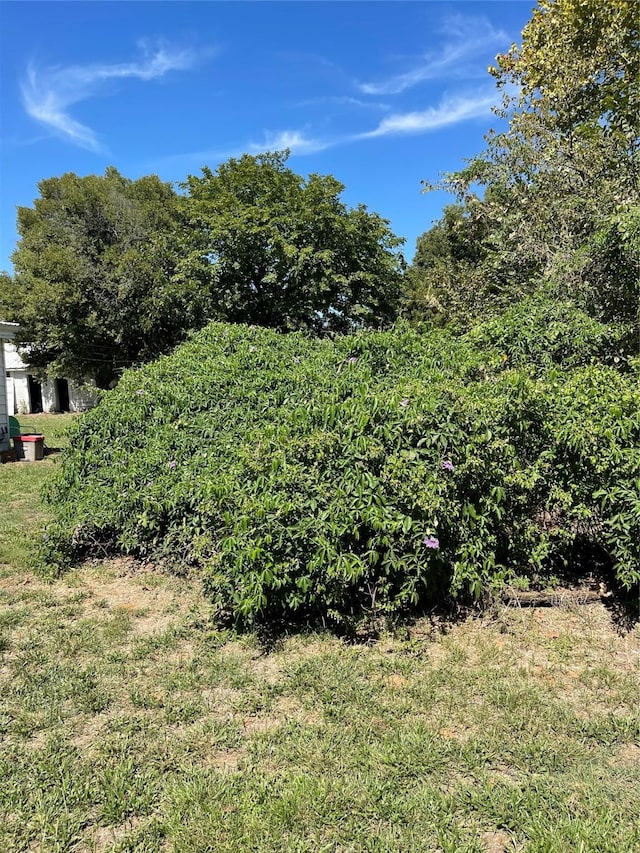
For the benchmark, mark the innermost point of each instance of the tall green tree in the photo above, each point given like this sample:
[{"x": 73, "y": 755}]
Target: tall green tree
[
  {"x": 274, "y": 249},
  {"x": 558, "y": 192},
  {"x": 111, "y": 272},
  {"x": 446, "y": 273},
  {"x": 93, "y": 287}
]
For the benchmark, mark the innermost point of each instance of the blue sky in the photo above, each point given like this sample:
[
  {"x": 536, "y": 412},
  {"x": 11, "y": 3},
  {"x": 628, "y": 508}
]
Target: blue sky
[{"x": 380, "y": 94}]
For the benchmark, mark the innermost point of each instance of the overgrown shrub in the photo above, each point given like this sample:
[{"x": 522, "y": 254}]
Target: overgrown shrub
[
  {"x": 542, "y": 331},
  {"x": 370, "y": 473}
]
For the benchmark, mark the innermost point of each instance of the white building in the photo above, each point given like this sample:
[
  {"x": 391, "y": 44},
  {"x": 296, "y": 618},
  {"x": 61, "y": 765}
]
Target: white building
[
  {"x": 7, "y": 334},
  {"x": 25, "y": 394}
]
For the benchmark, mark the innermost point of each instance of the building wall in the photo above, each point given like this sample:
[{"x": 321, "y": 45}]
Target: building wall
[
  {"x": 18, "y": 398},
  {"x": 18, "y": 401},
  {"x": 4, "y": 416},
  {"x": 81, "y": 397}
]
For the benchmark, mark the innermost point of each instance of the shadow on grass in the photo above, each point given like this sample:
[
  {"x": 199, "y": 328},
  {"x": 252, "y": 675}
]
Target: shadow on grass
[
  {"x": 592, "y": 565},
  {"x": 575, "y": 588},
  {"x": 588, "y": 576}
]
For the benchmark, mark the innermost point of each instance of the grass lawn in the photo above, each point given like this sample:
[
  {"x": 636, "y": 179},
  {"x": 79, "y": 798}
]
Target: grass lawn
[{"x": 129, "y": 723}]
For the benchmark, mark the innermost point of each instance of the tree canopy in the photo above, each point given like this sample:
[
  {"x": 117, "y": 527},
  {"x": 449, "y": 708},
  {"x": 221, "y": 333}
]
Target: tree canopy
[
  {"x": 447, "y": 268},
  {"x": 556, "y": 195},
  {"x": 93, "y": 288},
  {"x": 111, "y": 272},
  {"x": 275, "y": 249}
]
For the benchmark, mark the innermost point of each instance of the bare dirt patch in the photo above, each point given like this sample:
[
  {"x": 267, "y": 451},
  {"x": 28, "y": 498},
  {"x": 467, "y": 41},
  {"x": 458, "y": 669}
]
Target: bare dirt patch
[
  {"x": 154, "y": 602},
  {"x": 89, "y": 730},
  {"x": 628, "y": 755},
  {"x": 100, "y": 838},
  {"x": 267, "y": 668},
  {"x": 14, "y": 581},
  {"x": 286, "y": 710},
  {"x": 497, "y": 842},
  {"x": 226, "y": 760}
]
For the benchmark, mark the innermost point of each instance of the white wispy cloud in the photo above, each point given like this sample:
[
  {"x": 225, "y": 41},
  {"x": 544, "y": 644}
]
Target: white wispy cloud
[
  {"x": 466, "y": 40},
  {"x": 452, "y": 109},
  {"x": 294, "y": 140},
  {"x": 48, "y": 92},
  {"x": 344, "y": 101}
]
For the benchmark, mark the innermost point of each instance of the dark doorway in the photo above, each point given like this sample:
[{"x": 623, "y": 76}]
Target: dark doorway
[
  {"x": 35, "y": 394},
  {"x": 62, "y": 389}
]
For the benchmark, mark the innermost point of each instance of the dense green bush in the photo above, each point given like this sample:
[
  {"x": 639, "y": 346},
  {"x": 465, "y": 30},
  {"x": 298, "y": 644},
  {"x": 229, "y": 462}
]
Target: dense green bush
[
  {"x": 371, "y": 473},
  {"x": 541, "y": 331}
]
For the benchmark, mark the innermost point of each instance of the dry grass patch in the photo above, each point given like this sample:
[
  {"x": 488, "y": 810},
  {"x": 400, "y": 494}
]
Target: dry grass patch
[
  {"x": 497, "y": 842},
  {"x": 138, "y": 590},
  {"x": 285, "y": 710},
  {"x": 130, "y": 723},
  {"x": 99, "y": 839}
]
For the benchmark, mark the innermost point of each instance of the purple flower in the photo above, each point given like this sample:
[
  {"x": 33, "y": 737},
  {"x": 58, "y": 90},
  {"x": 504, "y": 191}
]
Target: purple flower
[
  {"x": 404, "y": 402},
  {"x": 447, "y": 465},
  {"x": 353, "y": 359},
  {"x": 172, "y": 464},
  {"x": 432, "y": 542}
]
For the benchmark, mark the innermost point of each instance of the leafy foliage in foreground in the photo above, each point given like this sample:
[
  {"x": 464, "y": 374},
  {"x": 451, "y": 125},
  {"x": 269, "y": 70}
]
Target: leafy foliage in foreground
[{"x": 368, "y": 473}]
